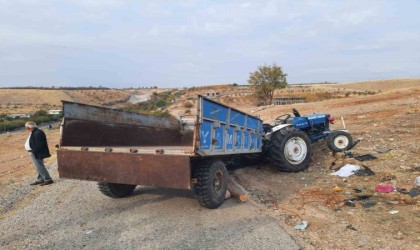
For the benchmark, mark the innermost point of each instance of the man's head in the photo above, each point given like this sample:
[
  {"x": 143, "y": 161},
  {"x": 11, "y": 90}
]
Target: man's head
[{"x": 30, "y": 126}]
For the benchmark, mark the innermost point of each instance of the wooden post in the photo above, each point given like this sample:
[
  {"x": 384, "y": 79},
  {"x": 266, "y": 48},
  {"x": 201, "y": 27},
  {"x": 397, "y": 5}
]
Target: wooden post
[{"x": 237, "y": 190}]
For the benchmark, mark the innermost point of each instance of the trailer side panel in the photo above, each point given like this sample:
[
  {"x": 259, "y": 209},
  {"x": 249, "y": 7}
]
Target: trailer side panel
[{"x": 168, "y": 171}]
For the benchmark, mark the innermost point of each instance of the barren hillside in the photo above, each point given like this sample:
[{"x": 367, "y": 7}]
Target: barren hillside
[
  {"x": 29, "y": 100},
  {"x": 375, "y": 85}
]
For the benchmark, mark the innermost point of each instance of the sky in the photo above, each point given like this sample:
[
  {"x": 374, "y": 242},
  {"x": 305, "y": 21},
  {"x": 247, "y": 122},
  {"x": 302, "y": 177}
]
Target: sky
[{"x": 118, "y": 43}]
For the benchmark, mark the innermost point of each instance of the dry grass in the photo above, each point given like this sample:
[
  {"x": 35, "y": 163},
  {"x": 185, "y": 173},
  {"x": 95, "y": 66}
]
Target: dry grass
[
  {"x": 375, "y": 85},
  {"x": 30, "y": 100}
]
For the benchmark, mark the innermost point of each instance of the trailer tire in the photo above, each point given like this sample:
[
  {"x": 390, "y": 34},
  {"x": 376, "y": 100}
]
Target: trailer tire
[
  {"x": 289, "y": 149},
  {"x": 339, "y": 141},
  {"x": 211, "y": 186},
  {"x": 115, "y": 190}
]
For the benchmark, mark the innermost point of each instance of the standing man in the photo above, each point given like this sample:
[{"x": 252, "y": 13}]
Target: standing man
[{"x": 37, "y": 147}]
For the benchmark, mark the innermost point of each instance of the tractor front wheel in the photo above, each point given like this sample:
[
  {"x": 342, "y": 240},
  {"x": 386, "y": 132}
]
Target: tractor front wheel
[
  {"x": 289, "y": 149},
  {"x": 339, "y": 141}
]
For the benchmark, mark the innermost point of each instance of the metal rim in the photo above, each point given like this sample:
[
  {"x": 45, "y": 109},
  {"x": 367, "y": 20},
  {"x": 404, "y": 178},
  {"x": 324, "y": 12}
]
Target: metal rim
[
  {"x": 218, "y": 181},
  {"x": 295, "y": 150},
  {"x": 341, "y": 141}
]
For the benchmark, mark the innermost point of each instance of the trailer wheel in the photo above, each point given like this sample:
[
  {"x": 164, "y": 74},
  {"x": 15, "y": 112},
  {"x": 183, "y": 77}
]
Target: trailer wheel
[
  {"x": 339, "y": 141},
  {"x": 210, "y": 189},
  {"x": 289, "y": 149},
  {"x": 115, "y": 190}
]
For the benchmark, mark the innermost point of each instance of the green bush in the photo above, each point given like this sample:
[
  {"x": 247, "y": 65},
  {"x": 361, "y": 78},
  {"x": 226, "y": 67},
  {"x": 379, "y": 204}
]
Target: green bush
[
  {"x": 188, "y": 105},
  {"x": 7, "y": 125}
]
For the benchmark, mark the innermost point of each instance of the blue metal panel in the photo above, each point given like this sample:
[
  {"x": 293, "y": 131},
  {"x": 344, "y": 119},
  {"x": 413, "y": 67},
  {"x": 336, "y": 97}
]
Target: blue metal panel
[
  {"x": 205, "y": 135},
  {"x": 229, "y": 137},
  {"x": 224, "y": 130},
  {"x": 238, "y": 141},
  {"x": 246, "y": 139},
  {"x": 300, "y": 122},
  {"x": 317, "y": 137},
  {"x": 219, "y": 137},
  {"x": 258, "y": 141},
  {"x": 252, "y": 122},
  {"x": 253, "y": 142},
  {"x": 237, "y": 118},
  {"x": 316, "y": 118},
  {"x": 214, "y": 111}
]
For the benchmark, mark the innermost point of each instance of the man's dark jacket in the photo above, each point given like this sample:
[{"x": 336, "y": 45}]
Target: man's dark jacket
[{"x": 38, "y": 144}]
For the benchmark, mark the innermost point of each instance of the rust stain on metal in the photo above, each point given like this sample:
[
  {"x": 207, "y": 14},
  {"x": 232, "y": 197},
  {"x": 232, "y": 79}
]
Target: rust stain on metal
[
  {"x": 81, "y": 111},
  {"x": 93, "y": 133},
  {"x": 168, "y": 171}
]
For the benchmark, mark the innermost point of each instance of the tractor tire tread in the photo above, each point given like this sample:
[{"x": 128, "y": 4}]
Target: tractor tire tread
[
  {"x": 115, "y": 190},
  {"x": 203, "y": 194},
  {"x": 276, "y": 150}
]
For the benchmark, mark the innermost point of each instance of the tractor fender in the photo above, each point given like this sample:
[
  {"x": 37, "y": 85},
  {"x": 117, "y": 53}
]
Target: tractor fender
[{"x": 275, "y": 129}]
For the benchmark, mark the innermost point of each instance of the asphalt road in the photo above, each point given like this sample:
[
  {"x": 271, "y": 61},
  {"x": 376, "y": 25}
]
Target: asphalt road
[{"x": 73, "y": 214}]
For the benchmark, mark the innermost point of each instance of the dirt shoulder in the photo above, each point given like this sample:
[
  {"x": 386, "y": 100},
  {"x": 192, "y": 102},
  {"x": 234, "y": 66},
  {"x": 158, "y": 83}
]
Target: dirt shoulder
[{"x": 387, "y": 120}]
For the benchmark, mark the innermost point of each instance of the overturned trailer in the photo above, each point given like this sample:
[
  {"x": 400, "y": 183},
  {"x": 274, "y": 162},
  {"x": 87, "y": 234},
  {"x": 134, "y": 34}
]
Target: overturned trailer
[{"x": 121, "y": 150}]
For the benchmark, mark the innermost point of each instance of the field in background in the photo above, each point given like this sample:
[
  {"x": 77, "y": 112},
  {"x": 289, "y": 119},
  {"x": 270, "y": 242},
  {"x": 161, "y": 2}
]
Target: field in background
[
  {"x": 29, "y": 100},
  {"x": 388, "y": 118},
  {"x": 182, "y": 101}
]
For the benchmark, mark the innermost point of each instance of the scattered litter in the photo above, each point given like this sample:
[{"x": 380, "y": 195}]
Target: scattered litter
[
  {"x": 382, "y": 149},
  {"x": 366, "y": 157},
  {"x": 363, "y": 197},
  {"x": 357, "y": 190},
  {"x": 393, "y": 212},
  {"x": 301, "y": 225},
  {"x": 346, "y": 170},
  {"x": 347, "y": 193},
  {"x": 392, "y": 202},
  {"x": 384, "y": 188},
  {"x": 349, "y": 203},
  {"x": 368, "y": 203},
  {"x": 387, "y": 178},
  {"x": 337, "y": 189},
  {"x": 349, "y": 154},
  {"x": 402, "y": 190},
  {"x": 414, "y": 192},
  {"x": 350, "y": 226},
  {"x": 366, "y": 171},
  {"x": 88, "y": 232},
  {"x": 417, "y": 182}
]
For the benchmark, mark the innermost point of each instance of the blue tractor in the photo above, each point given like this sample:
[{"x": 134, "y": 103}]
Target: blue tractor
[{"x": 287, "y": 143}]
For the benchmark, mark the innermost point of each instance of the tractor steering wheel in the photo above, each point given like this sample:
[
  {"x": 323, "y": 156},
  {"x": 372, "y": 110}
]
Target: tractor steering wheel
[{"x": 282, "y": 119}]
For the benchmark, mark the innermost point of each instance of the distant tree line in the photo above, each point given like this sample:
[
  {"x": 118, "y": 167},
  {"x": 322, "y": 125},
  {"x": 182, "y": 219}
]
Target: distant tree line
[
  {"x": 75, "y": 88},
  {"x": 54, "y": 88},
  {"x": 40, "y": 116}
]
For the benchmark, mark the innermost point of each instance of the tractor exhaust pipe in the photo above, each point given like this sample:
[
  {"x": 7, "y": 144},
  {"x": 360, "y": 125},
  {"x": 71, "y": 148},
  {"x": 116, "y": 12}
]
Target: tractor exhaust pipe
[{"x": 342, "y": 122}]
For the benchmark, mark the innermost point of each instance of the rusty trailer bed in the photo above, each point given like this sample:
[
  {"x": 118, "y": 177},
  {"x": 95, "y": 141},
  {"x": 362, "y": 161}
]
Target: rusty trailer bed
[
  {"x": 161, "y": 150},
  {"x": 125, "y": 167}
]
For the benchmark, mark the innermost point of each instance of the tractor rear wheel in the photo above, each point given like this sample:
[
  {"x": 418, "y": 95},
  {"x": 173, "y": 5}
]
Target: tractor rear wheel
[
  {"x": 339, "y": 141},
  {"x": 115, "y": 190},
  {"x": 289, "y": 149},
  {"x": 210, "y": 189}
]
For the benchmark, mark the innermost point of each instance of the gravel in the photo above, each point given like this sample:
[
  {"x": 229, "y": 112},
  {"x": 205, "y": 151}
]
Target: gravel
[{"x": 74, "y": 214}]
